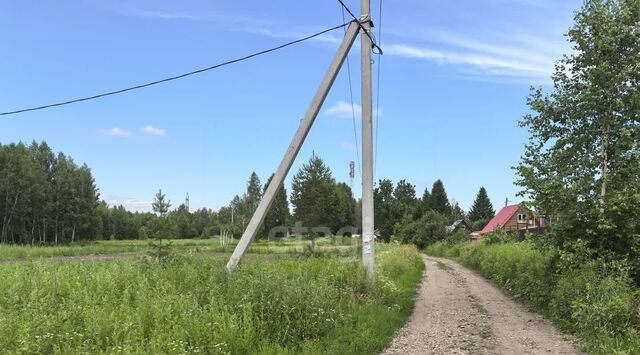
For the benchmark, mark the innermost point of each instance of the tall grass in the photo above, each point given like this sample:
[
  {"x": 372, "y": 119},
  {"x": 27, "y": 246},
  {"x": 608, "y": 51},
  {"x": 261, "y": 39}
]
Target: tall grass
[
  {"x": 112, "y": 247},
  {"x": 593, "y": 299},
  {"x": 191, "y": 305}
]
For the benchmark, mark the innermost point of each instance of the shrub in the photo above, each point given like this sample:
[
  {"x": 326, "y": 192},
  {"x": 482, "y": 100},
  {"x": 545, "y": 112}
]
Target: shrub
[
  {"x": 499, "y": 236},
  {"x": 430, "y": 228}
]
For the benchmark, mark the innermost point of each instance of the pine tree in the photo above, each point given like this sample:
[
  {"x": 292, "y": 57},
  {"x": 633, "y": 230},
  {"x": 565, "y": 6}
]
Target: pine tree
[
  {"x": 426, "y": 201},
  {"x": 313, "y": 194},
  {"x": 438, "y": 200},
  {"x": 161, "y": 206},
  {"x": 278, "y": 215},
  {"x": 482, "y": 209},
  {"x": 254, "y": 193},
  {"x": 457, "y": 213},
  {"x": 345, "y": 207}
]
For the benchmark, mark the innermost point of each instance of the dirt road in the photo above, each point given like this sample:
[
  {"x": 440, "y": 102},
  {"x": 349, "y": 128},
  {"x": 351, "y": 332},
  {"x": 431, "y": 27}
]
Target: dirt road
[{"x": 459, "y": 312}]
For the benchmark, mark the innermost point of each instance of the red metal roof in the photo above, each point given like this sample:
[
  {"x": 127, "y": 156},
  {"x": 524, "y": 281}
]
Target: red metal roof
[{"x": 500, "y": 219}]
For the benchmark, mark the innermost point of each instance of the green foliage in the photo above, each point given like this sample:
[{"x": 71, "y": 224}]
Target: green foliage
[
  {"x": 582, "y": 163},
  {"x": 438, "y": 200},
  {"x": 47, "y": 198},
  {"x": 482, "y": 210},
  {"x": 593, "y": 298},
  {"x": 278, "y": 215},
  {"x": 500, "y": 236},
  {"x": 430, "y": 228},
  {"x": 385, "y": 206},
  {"x": 405, "y": 196},
  {"x": 160, "y": 249},
  {"x": 317, "y": 200},
  {"x": 308, "y": 305}
]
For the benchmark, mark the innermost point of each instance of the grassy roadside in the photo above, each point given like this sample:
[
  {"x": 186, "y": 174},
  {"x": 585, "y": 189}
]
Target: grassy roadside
[
  {"x": 290, "y": 304},
  {"x": 597, "y": 302}
]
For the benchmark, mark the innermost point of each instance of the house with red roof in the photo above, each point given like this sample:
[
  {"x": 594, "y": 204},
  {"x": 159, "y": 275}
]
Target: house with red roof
[{"x": 514, "y": 218}]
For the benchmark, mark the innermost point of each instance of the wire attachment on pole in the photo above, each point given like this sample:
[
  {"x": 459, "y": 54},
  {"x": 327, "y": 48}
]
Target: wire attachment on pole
[{"x": 364, "y": 19}]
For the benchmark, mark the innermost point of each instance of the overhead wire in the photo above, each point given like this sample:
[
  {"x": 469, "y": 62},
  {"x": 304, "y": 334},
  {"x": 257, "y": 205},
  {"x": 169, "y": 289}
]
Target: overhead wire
[
  {"x": 375, "y": 156},
  {"x": 374, "y": 45},
  {"x": 353, "y": 109},
  {"x": 233, "y": 61}
]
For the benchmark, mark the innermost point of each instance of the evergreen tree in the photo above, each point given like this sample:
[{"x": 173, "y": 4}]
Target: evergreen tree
[
  {"x": 254, "y": 193},
  {"x": 161, "y": 206},
  {"x": 482, "y": 209},
  {"x": 313, "y": 195},
  {"x": 345, "y": 208},
  {"x": 425, "y": 202},
  {"x": 278, "y": 215},
  {"x": 438, "y": 200},
  {"x": 457, "y": 213}
]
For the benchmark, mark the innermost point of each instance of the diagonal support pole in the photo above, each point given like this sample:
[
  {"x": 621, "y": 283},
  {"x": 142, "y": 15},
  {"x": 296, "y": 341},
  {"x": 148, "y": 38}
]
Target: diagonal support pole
[{"x": 294, "y": 147}]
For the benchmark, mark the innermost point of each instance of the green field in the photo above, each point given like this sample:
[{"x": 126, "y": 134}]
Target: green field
[
  {"x": 112, "y": 247},
  {"x": 274, "y": 303}
]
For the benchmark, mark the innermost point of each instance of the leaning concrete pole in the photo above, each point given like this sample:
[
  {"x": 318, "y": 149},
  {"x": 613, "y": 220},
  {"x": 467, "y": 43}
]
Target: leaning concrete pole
[
  {"x": 368, "y": 242},
  {"x": 294, "y": 147}
]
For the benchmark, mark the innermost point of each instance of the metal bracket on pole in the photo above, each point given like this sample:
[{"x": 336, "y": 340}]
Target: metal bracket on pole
[{"x": 294, "y": 147}]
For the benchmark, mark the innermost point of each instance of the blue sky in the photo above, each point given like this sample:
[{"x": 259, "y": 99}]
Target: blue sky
[{"x": 455, "y": 76}]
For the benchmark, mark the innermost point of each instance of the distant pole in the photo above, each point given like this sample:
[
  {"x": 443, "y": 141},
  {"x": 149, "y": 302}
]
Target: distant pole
[
  {"x": 368, "y": 242},
  {"x": 294, "y": 147},
  {"x": 186, "y": 202}
]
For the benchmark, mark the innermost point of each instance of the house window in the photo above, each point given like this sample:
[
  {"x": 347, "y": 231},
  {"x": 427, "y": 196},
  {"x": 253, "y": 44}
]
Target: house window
[{"x": 522, "y": 217}]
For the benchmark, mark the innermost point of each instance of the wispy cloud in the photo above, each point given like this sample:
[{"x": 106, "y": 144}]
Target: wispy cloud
[
  {"x": 117, "y": 132},
  {"x": 162, "y": 15},
  {"x": 493, "y": 65},
  {"x": 344, "y": 109},
  {"x": 327, "y": 38},
  {"x": 129, "y": 203},
  {"x": 154, "y": 131}
]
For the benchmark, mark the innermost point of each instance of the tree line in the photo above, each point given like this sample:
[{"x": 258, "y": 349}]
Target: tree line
[
  {"x": 46, "y": 198},
  {"x": 403, "y": 216}
]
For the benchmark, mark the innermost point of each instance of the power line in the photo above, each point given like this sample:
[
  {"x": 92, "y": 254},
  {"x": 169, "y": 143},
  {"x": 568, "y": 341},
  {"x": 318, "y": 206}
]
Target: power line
[
  {"x": 177, "y": 76},
  {"x": 353, "y": 109},
  {"x": 374, "y": 44},
  {"x": 375, "y": 159}
]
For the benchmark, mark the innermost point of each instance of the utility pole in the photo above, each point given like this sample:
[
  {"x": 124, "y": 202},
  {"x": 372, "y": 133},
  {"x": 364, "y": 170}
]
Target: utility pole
[
  {"x": 296, "y": 144},
  {"x": 368, "y": 242}
]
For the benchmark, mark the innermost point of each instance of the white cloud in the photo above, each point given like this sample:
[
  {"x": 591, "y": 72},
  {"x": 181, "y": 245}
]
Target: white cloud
[
  {"x": 129, "y": 203},
  {"x": 326, "y": 38},
  {"x": 344, "y": 109},
  {"x": 159, "y": 132},
  {"x": 159, "y": 14},
  {"x": 117, "y": 132},
  {"x": 493, "y": 65}
]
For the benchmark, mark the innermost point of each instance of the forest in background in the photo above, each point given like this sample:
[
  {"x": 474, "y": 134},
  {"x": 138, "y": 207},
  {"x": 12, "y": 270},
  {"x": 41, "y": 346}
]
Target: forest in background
[{"x": 47, "y": 198}]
